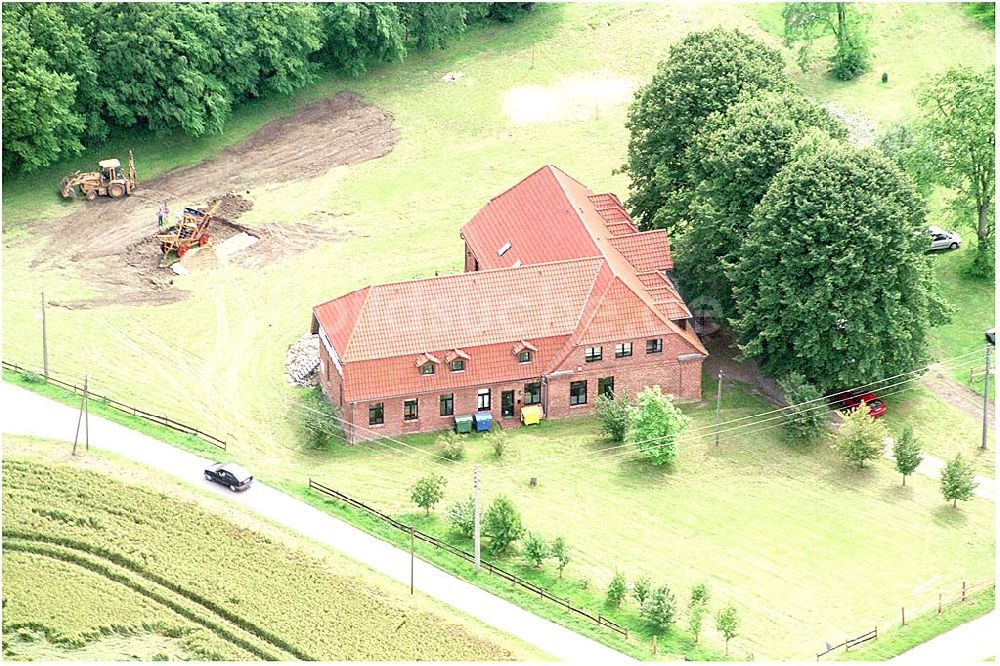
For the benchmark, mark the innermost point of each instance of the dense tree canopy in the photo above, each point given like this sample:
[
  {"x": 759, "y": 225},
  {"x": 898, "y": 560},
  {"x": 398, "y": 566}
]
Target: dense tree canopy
[
  {"x": 807, "y": 21},
  {"x": 832, "y": 283},
  {"x": 706, "y": 72},
  {"x": 71, "y": 71},
  {"x": 732, "y": 161}
]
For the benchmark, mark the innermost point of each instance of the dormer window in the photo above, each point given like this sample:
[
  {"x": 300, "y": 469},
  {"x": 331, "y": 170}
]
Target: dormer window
[
  {"x": 458, "y": 365},
  {"x": 524, "y": 356},
  {"x": 427, "y": 368}
]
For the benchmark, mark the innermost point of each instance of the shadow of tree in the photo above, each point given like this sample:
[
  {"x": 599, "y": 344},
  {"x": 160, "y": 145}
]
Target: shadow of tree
[{"x": 949, "y": 516}]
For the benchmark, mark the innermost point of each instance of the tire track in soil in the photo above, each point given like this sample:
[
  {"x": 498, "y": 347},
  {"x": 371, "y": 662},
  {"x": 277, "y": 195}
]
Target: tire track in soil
[{"x": 113, "y": 238}]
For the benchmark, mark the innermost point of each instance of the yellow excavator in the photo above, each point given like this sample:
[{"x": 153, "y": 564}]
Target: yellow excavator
[{"x": 110, "y": 181}]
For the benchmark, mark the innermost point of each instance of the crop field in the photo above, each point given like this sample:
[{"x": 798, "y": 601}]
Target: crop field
[
  {"x": 95, "y": 565},
  {"x": 752, "y": 518}
]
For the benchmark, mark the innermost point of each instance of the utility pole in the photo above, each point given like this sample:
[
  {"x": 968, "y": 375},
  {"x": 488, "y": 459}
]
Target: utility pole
[
  {"x": 86, "y": 414},
  {"x": 79, "y": 420},
  {"x": 718, "y": 405},
  {"x": 986, "y": 397},
  {"x": 475, "y": 494},
  {"x": 45, "y": 342}
]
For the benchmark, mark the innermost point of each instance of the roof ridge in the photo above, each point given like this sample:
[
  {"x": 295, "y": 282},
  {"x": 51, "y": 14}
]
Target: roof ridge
[
  {"x": 479, "y": 272},
  {"x": 354, "y": 324},
  {"x": 541, "y": 168}
]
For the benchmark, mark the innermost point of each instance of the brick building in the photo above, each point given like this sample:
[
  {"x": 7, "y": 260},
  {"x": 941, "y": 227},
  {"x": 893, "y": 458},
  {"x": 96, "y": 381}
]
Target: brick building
[{"x": 562, "y": 299}]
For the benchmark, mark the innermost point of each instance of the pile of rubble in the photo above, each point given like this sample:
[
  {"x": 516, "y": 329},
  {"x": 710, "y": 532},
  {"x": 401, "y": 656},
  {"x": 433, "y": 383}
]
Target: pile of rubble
[{"x": 302, "y": 361}]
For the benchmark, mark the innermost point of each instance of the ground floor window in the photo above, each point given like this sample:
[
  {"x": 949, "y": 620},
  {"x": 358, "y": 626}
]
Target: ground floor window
[
  {"x": 606, "y": 386},
  {"x": 376, "y": 414},
  {"x": 447, "y": 404},
  {"x": 578, "y": 393},
  {"x": 507, "y": 403},
  {"x": 532, "y": 393},
  {"x": 483, "y": 400},
  {"x": 410, "y": 410}
]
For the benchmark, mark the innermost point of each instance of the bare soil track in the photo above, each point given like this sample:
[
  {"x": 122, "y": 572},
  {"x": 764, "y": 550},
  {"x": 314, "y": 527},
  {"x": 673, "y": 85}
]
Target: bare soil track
[{"x": 111, "y": 240}]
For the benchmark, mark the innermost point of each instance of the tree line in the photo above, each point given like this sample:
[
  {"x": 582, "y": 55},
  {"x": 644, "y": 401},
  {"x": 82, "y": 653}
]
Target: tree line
[
  {"x": 74, "y": 72},
  {"x": 810, "y": 248}
]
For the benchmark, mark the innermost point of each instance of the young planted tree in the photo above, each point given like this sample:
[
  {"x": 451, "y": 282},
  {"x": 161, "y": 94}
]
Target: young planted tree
[
  {"x": 560, "y": 551},
  {"x": 641, "y": 589},
  {"x": 428, "y": 491},
  {"x": 700, "y": 595},
  {"x": 616, "y": 590},
  {"x": 704, "y": 73},
  {"x": 957, "y": 480},
  {"x": 462, "y": 517},
  {"x": 502, "y": 523},
  {"x": 536, "y": 549},
  {"x": 861, "y": 438},
  {"x": 958, "y": 124},
  {"x": 614, "y": 413},
  {"x": 807, "y": 21},
  {"x": 696, "y": 614},
  {"x": 727, "y": 622},
  {"x": 906, "y": 450},
  {"x": 807, "y": 416},
  {"x": 656, "y": 423},
  {"x": 846, "y": 215},
  {"x": 660, "y": 608},
  {"x": 731, "y": 162},
  {"x": 498, "y": 440}
]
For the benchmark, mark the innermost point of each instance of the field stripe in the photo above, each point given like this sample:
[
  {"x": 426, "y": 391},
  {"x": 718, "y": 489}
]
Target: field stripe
[{"x": 78, "y": 553}]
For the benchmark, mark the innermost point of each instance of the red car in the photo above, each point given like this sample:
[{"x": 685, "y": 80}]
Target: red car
[{"x": 853, "y": 400}]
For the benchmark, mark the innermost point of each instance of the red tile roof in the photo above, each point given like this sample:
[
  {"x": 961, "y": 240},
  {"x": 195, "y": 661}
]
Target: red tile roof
[
  {"x": 463, "y": 310},
  {"x": 647, "y": 251}
]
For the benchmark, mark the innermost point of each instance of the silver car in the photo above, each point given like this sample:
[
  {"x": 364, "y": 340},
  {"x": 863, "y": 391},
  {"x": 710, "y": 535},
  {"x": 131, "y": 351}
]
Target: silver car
[{"x": 943, "y": 240}]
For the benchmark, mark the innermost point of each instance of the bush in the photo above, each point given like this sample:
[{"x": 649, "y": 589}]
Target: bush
[
  {"x": 461, "y": 517},
  {"x": 640, "y": 589},
  {"x": 659, "y": 608},
  {"x": 498, "y": 440},
  {"x": 614, "y": 413},
  {"x": 502, "y": 523},
  {"x": 428, "y": 491},
  {"x": 861, "y": 438},
  {"x": 616, "y": 590},
  {"x": 807, "y": 415},
  {"x": 452, "y": 445},
  {"x": 656, "y": 423},
  {"x": 318, "y": 419},
  {"x": 536, "y": 549},
  {"x": 850, "y": 60},
  {"x": 560, "y": 551},
  {"x": 31, "y": 377}
]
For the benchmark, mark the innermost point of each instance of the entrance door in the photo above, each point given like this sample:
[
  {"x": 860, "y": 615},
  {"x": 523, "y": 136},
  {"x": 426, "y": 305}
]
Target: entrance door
[{"x": 507, "y": 404}]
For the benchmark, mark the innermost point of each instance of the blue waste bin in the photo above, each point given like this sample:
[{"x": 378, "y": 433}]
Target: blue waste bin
[{"x": 483, "y": 421}]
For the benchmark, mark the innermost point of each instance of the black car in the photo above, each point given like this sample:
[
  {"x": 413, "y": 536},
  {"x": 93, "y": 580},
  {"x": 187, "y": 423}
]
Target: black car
[{"x": 229, "y": 474}]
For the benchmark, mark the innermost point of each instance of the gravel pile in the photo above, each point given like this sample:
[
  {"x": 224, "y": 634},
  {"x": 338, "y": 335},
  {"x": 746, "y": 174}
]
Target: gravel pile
[{"x": 302, "y": 360}]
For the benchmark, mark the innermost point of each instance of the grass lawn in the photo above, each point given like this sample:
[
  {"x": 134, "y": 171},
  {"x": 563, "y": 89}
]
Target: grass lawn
[
  {"x": 155, "y": 565},
  {"x": 921, "y": 629},
  {"x": 750, "y": 518}
]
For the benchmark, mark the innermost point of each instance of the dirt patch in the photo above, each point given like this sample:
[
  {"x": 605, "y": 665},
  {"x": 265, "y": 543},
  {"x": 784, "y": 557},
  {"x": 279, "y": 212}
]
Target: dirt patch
[
  {"x": 860, "y": 127},
  {"x": 569, "y": 99},
  {"x": 722, "y": 353},
  {"x": 113, "y": 238},
  {"x": 957, "y": 394}
]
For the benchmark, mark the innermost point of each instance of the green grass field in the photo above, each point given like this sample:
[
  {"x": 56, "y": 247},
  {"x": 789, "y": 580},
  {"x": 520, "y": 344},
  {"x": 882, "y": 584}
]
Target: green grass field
[
  {"x": 752, "y": 518},
  {"x": 91, "y": 562}
]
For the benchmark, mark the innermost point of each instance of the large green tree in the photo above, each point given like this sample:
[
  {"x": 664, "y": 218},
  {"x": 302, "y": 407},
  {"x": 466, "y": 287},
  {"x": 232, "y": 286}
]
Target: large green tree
[
  {"x": 958, "y": 124},
  {"x": 706, "y": 72},
  {"x": 357, "y": 34},
  {"x": 39, "y": 122},
  {"x": 732, "y": 161},
  {"x": 655, "y": 425},
  {"x": 807, "y": 21},
  {"x": 831, "y": 282}
]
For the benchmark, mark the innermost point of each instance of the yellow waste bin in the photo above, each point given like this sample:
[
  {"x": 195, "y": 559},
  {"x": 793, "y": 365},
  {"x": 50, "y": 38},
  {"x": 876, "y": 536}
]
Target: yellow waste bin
[{"x": 531, "y": 414}]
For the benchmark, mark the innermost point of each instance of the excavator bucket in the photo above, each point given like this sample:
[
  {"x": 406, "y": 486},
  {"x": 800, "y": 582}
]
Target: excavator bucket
[{"x": 66, "y": 190}]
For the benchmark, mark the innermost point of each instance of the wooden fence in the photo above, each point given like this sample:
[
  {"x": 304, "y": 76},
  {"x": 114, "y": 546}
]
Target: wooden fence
[
  {"x": 469, "y": 557},
  {"x": 967, "y": 589},
  {"x": 122, "y": 407}
]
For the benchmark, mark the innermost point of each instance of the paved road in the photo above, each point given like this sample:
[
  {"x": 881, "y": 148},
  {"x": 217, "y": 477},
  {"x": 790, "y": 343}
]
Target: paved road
[
  {"x": 971, "y": 642},
  {"x": 27, "y": 413},
  {"x": 932, "y": 465}
]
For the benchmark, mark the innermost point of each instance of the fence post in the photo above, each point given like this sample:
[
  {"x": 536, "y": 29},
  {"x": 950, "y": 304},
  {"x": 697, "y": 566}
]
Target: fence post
[
  {"x": 654, "y": 643},
  {"x": 902, "y": 612},
  {"x": 963, "y": 591},
  {"x": 939, "y": 603}
]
